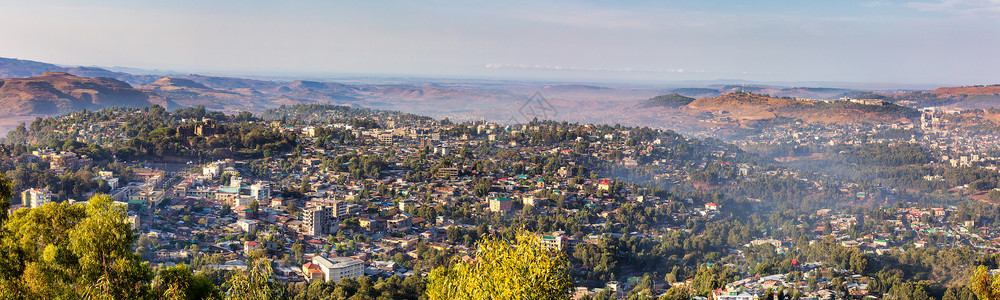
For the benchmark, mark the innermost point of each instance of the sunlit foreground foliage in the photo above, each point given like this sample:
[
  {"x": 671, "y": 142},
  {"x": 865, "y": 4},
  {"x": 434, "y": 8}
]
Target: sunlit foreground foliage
[
  {"x": 63, "y": 251},
  {"x": 986, "y": 286},
  {"x": 518, "y": 268}
]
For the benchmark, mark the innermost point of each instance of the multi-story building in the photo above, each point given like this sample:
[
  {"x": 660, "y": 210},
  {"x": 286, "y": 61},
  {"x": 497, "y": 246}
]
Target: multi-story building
[
  {"x": 385, "y": 138},
  {"x": 212, "y": 170},
  {"x": 247, "y": 225},
  {"x": 319, "y": 220},
  {"x": 35, "y": 197},
  {"x": 152, "y": 178},
  {"x": 448, "y": 172},
  {"x": 554, "y": 242},
  {"x": 400, "y": 222},
  {"x": 68, "y": 160},
  {"x": 260, "y": 190},
  {"x": 337, "y": 268},
  {"x": 500, "y": 204}
]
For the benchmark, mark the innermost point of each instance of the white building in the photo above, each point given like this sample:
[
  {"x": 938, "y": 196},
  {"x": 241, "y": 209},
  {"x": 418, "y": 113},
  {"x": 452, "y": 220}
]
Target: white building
[
  {"x": 337, "y": 268},
  {"x": 212, "y": 170},
  {"x": 731, "y": 294},
  {"x": 557, "y": 241},
  {"x": 260, "y": 190},
  {"x": 247, "y": 225},
  {"x": 134, "y": 221}
]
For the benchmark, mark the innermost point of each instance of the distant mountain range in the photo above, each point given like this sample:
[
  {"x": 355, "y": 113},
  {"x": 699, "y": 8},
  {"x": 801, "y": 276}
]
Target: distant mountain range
[
  {"x": 60, "y": 92},
  {"x": 37, "y": 88}
]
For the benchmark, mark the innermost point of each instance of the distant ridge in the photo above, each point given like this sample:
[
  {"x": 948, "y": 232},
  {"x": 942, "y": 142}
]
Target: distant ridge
[
  {"x": 670, "y": 100},
  {"x": 60, "y": 92},
  {"x": 17, "y": 68},
  {"x": 747, "y": 107}
]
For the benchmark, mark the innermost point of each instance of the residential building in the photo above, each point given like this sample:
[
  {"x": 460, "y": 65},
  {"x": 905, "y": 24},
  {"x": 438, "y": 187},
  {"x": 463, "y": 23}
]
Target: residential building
[
  {"x": 337, "y": 268},
  {"x": 251, "y": 246},
  {"x": 554, "y": 242},
  {"x": 400, "y": 222},
  {"x": 260, "y": 190},
  {"x": 318, "y": 220},
  {"x": 35, "y": 197},
  {"x": 500, "y": 204},
  {"x": 247, "y": 225}
]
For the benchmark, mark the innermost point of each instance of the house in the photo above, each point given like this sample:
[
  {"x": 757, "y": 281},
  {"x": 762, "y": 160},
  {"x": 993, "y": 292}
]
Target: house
[
  {"x": 557, "y": 241},
  {"x": 604, "y": 185},
  {"x": 711, "y": 206},
  {"x": 312, "y": 272},
  {"x": 247, "y": 225},
  {"x": 251, "y": 246}
]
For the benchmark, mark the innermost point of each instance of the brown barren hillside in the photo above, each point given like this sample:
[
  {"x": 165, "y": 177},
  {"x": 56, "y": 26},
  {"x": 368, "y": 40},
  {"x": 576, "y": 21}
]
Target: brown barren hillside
[
  {"x": 963, "y": 91},
  {"x": 188, "y": 92},
  {"x": 59, "y": 92},
  {"x": 747, "y": 108},
  {"x": 742, "y": 106}
]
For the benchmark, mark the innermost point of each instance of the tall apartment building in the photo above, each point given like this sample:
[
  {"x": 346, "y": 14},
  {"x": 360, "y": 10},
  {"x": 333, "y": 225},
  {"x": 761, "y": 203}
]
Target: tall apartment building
[
  {"x": 324, "y": 218},
  {"x": 318, "y": 220},
  {"x": 260, "y": 190},
  {"x": 500, "y": 204},
  {"x": 35, "y": 197}
]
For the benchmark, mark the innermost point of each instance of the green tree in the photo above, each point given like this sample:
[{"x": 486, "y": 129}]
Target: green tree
[
  {"x": 517, "y": 268},
  {"x": 984, "y": 285},
  {"x": 6, "y": 194},
  {"x": 71, "y": 251},
  {"x": 178, "y": 283},
  {"x": 256, "y": 283}
]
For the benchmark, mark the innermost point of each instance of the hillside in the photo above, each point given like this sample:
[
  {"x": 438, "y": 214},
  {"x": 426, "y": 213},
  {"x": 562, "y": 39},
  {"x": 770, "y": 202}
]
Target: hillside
[
  {"x": 966, "y": 91},
  {"x": 795, "y": 92},
  {"x": 16, "y": 68},
  {"x": 59, "y": 92},
  {"x": 741, "y": 106},
  {"x": 746, "y": 107},
  {"x": 187, "y": 92},
  {"x": 671, "y": 100},
  {"x": 962, "y": 97}
]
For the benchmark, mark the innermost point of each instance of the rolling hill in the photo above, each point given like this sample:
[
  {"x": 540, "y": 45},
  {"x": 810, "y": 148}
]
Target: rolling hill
[
  {"x": 753, "y": 108},
  {"x": 961, "y": 97},
  {"x": 60, "y": 92}
]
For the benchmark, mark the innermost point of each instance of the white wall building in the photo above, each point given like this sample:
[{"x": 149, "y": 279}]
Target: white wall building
[
  {"x": 247, "y": 225},
  {"x": 336, "y": 268}
]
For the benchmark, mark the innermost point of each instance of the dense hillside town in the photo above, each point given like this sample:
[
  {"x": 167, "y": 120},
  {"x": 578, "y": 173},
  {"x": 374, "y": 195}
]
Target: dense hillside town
[{"x": 329, "y": 197}]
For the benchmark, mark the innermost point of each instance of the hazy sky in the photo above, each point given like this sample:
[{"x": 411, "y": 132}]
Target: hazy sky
[{"x": 920, "y": 41}]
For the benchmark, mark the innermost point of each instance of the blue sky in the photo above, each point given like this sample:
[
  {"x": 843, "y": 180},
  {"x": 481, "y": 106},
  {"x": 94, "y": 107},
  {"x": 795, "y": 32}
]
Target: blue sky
[{"x": 919, "y": 41}]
